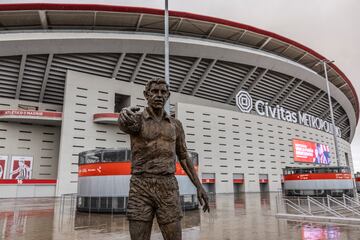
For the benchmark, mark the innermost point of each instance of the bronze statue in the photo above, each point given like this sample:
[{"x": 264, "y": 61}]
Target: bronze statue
[{"x": 156, "y": 139}]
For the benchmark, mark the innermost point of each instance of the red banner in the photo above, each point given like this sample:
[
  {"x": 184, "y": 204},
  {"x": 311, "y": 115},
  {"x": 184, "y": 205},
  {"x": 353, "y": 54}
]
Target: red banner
[
  {"x": 3, "y": 162},
  {"x": 21, "y": 167},
  {"x": 115, "y": 168},
  {"x": 318, "y": 176},
  {"x": 311, "y": 152},
  {"x": 28, "y": 181},
  {"x": 30, "y": 113}
]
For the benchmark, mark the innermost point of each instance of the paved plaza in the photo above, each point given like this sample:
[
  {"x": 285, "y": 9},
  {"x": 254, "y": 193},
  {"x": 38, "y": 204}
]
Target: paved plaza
[{"x": 244, "y": 216}]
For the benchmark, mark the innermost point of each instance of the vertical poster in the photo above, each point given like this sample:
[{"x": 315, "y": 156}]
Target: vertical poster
[
  {"x": 21, "y": 167},
  {"x": 3, "y": 163}
]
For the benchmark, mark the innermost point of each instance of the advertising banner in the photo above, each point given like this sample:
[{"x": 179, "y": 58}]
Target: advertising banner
[
  {"x": 21, "y": 167},
  {"x": 3, "y": 163},
  {"x": 311, "y": 152}
]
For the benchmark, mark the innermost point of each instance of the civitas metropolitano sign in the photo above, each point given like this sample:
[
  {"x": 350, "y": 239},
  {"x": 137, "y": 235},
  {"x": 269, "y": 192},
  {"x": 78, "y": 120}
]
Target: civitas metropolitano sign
[{"x": 244, "y": 102}]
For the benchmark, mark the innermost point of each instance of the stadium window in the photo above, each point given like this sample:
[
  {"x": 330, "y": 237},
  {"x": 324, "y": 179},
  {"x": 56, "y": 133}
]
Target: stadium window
[
  {"x": 121, "y": 101},
  {"x": 28, "y": 107},
  {"x": 81, "y": 96},
  {"x": 81, "y": 104}
]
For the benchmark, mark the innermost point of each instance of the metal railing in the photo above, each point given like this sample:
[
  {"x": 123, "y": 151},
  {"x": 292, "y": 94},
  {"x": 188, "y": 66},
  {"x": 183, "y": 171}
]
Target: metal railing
[
  {"x": 343, "y": 206},
  {"x": 339, "y": 207}
]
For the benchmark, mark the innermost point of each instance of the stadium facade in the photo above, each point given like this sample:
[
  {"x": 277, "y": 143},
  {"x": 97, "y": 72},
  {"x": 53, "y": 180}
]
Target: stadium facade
[{"x": 243, "y": 94}]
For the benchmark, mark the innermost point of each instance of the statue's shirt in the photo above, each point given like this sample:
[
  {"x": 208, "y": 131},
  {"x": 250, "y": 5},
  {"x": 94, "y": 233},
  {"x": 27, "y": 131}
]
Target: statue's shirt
[{"x": 155, "y": 146}]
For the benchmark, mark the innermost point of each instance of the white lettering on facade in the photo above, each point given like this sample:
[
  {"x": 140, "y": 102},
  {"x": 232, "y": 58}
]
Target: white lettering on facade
[{"x": 278, "y": 112}]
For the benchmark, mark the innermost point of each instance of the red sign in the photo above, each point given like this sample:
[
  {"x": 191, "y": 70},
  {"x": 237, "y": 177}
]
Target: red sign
[
  {"x": 318, "y": 176},
  {"x": 29, "y": 113},
  {"x": 29, "y": 181},
  {"x": 311, "y": 152},
  {"x": 208, "y": 180},
  {"x": 3, "y": 161},
  {"x": 116, "y": 168},
  {"x": 238, "y": 181},
  {"x": 21, "y": 167}
]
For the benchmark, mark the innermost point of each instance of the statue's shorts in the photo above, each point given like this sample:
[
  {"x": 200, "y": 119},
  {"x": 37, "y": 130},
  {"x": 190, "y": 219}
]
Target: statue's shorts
[{"x": 154, "y": 195}]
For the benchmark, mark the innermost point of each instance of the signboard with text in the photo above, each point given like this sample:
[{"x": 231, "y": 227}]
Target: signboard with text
[{"x": 311, "y": 152}]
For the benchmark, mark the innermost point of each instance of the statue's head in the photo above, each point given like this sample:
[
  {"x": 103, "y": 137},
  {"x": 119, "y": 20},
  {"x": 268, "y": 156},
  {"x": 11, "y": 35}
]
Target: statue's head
[{"x": 157, "y": 92}]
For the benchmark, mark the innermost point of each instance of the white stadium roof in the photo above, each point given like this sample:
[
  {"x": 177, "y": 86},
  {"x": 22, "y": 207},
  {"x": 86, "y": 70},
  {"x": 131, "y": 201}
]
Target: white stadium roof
[{"x": 33, "y": 68}]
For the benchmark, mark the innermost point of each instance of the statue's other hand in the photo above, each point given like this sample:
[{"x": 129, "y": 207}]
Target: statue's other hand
[{"x": 203, "y": 199}]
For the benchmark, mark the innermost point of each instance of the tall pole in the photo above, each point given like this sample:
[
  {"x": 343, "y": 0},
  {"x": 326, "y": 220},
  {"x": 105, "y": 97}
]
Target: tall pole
[
  {"x": 167, "y": 60},
  {"x": 332, "y": 115}
]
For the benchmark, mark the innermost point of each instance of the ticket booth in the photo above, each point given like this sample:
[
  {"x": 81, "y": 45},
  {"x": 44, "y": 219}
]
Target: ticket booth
[
  {"x": 238, "y": 182},
  {"x": 208, "y": 181},
  {"x": 264, "y": 182}
]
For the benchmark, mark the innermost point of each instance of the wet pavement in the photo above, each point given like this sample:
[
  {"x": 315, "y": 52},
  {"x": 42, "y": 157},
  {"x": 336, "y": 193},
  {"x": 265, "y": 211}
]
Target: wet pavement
[{"x": 243, "y": 216}]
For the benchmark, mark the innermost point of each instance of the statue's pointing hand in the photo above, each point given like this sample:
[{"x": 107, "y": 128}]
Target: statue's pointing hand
[{"x": 127, "y": 119}]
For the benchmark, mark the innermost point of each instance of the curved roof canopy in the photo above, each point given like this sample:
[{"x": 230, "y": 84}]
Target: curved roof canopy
[
  {"x": 39, "y": 17},
  {"x": 97, "y": 17}
]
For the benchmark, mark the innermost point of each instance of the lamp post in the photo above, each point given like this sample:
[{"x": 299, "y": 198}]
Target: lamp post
[
  {"x": 166, "y": 56},
  {"x": 325, "y": 62}
]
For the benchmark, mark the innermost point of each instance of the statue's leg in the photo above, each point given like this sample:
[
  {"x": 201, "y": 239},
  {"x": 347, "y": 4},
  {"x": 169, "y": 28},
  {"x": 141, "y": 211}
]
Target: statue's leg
[
  {"x": 168, "y": 208},
  {"x": 171, "y": 231},
  {"x": 140, "y": 230}
]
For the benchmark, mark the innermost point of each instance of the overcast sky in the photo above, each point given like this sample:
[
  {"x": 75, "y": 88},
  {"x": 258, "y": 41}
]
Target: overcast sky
[{"x": 330, "y": 27}]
